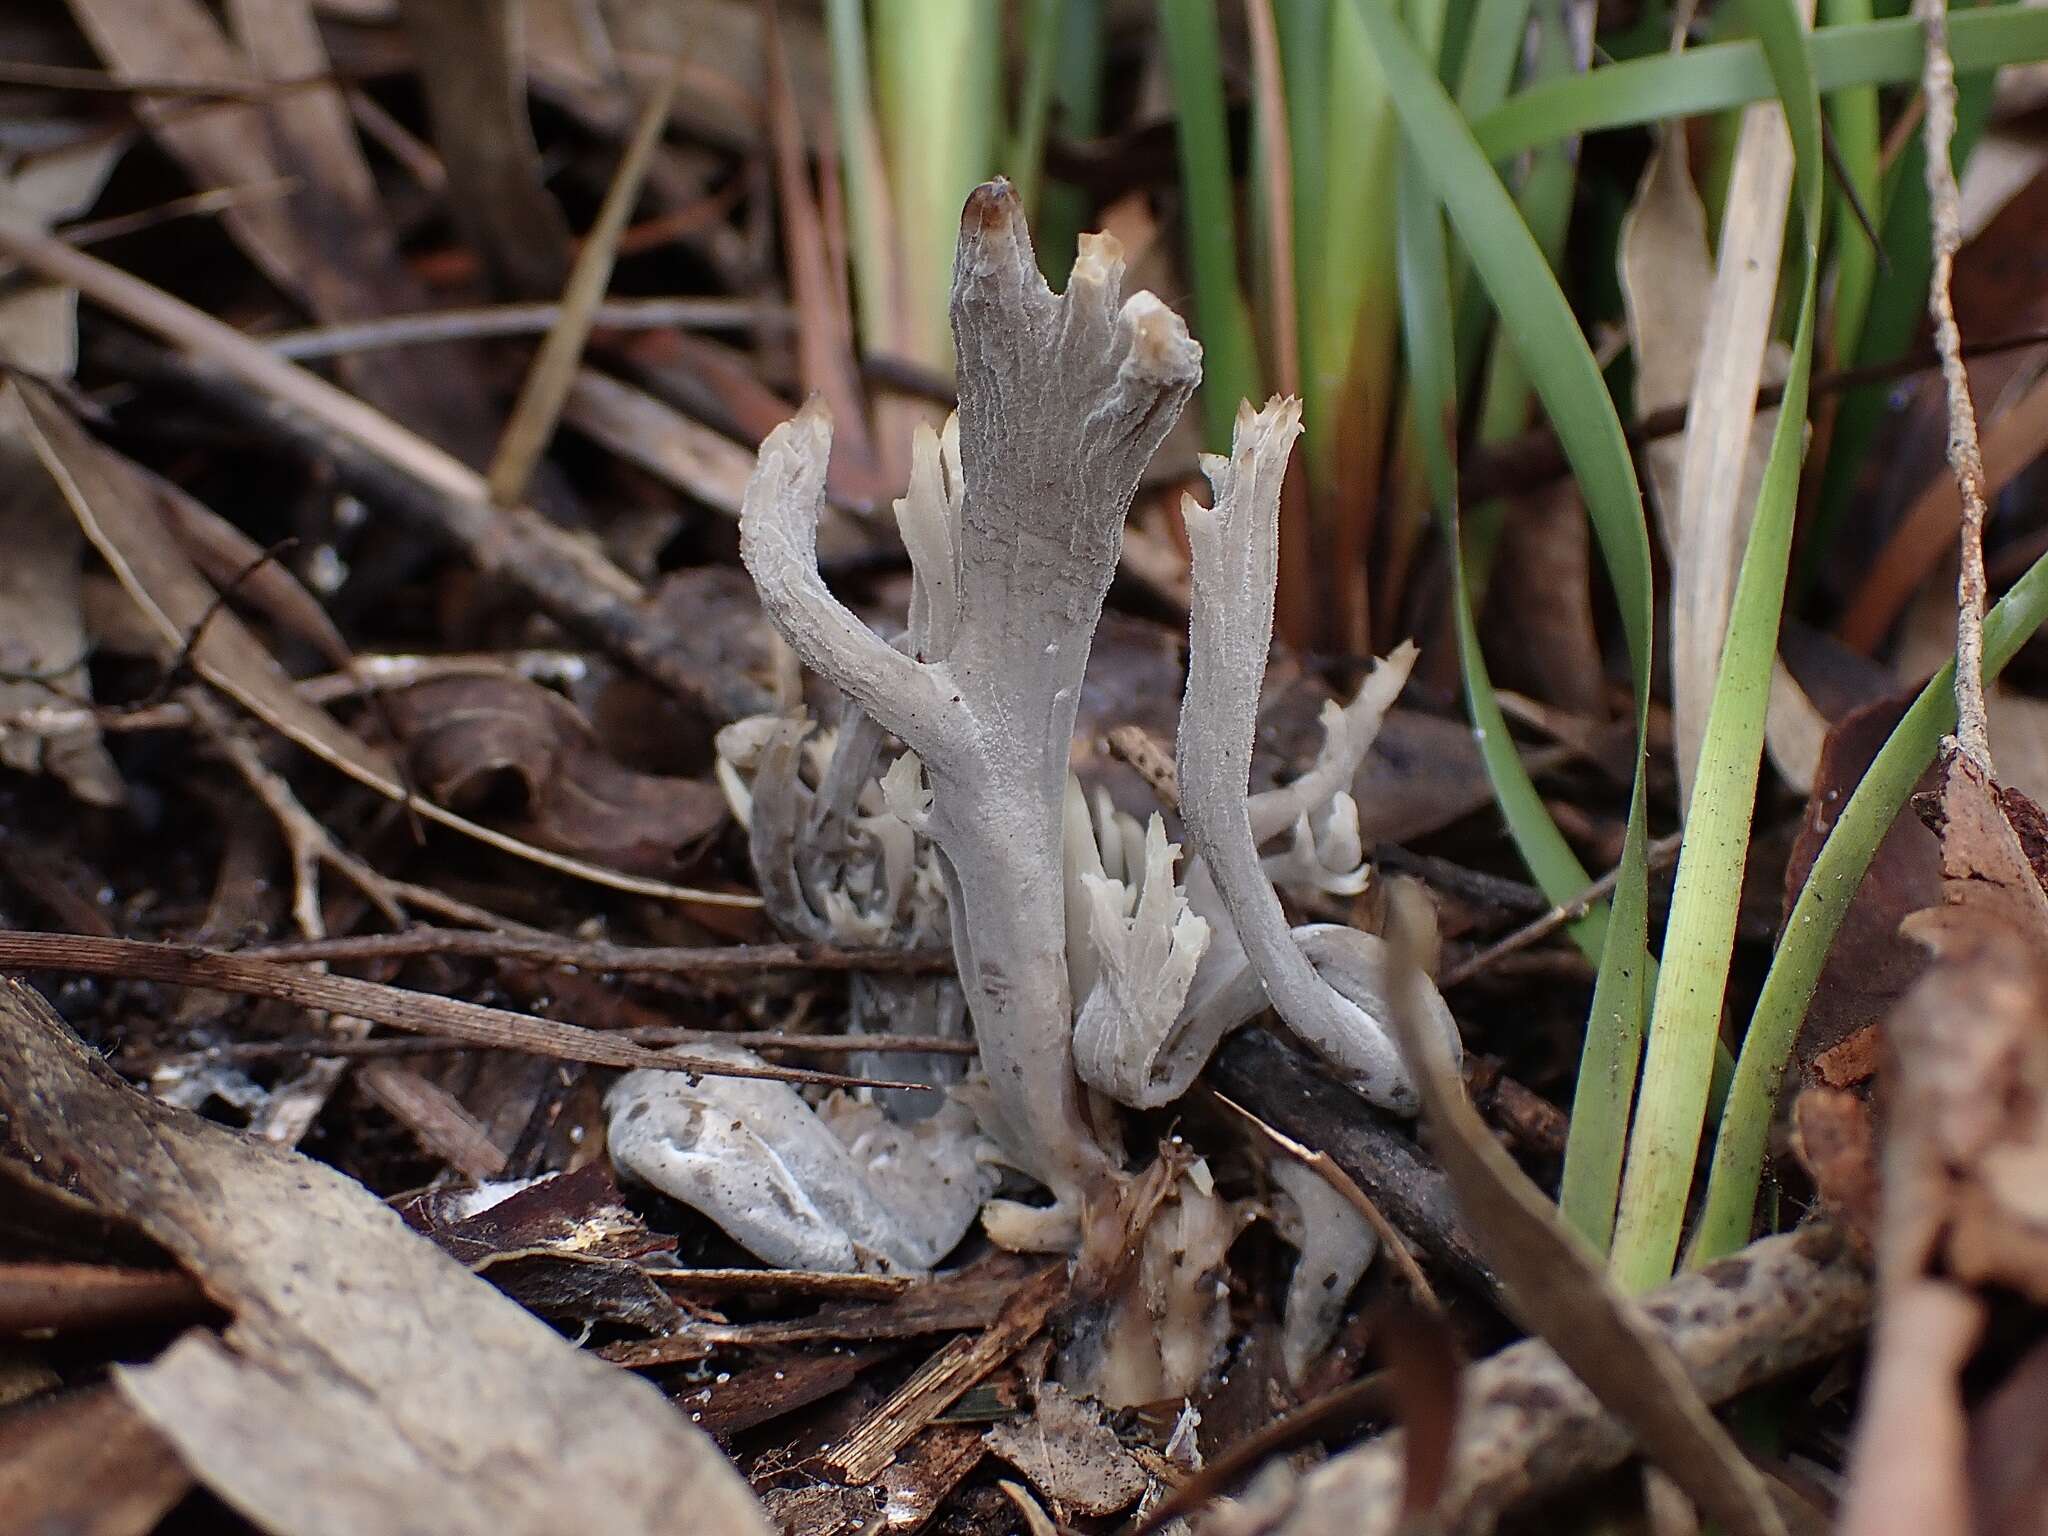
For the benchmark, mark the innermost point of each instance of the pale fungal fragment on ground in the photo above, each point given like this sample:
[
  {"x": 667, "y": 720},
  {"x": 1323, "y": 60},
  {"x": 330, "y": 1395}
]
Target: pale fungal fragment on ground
[
  {"x": 842, "y": 1191},
  {"x": 1094, "y": 976},
  {"x": 1336, "y": 1244}
]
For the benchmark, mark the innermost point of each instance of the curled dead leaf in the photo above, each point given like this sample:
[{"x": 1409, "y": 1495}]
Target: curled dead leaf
[{"x": 465, "y": 737}]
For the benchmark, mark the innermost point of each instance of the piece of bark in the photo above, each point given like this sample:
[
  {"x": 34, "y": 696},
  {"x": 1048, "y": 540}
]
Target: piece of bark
[
  {"x": 776, "y": 1385},
  {"x": 63, "y": 1298},
  {"x": 974, "y": 1298},
  {"x": 865, "y": 1453},
  {"x": 1529, "y": 1427},
  {"x": 366, "y": 1383}
]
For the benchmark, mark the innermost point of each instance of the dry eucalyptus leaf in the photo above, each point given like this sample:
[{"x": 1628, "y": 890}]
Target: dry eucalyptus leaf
[
  {"x": 463, "y": 733},
  {"x": 42, "y": 634},
  {"x": 367, "y": 1383},
  {"x": 1068, "y": 1454}
]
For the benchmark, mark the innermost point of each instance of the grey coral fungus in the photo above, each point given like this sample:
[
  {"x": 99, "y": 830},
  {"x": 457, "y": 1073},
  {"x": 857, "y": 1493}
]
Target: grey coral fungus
[{"x": 1098, "y": 967}]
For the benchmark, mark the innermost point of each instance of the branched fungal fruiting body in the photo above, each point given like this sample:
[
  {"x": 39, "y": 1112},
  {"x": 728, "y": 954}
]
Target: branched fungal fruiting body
[
  {"x": 1063, "y": 401},
  {"x": 1083, "y": 961}
]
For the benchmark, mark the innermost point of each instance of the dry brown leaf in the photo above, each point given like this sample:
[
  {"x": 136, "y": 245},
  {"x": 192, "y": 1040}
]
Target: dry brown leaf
[
  {"x": 1868, "y": 970},
  {"x": 1068, "y": 1454},
  {"x": 367, "y": 1383},
  {"x": 463, "y": 735},
  {"x": 1965, "y": 1158},
  {"x": 114, "y": 503},
  {"x": 86, "y": 1464},
  {"x": 1968, "y": 1158},
  {"x": 565, "y": 1247},
  {"x": 1835, "y": 1141},
  {"x": 1541, "y": 594}
]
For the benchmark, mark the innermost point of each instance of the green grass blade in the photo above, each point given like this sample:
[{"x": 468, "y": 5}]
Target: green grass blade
[
  {"x": 1077, "y": 110},
  {"x": 1540, "y": 324},
  {"x": 1817, "y": 916},
  {"x": 1727, "y": 75},
  {"x": 1025, "y": 155},
  {"x": 1304, "y": 29},
  {"x": 1426, "y": 339},
  {"x": 1230, "y": 363},
  {"x": 1853, "y": 119},
  {"x": 939, "y": 88},
  {"x": 1699, "y": 939},
  {"x": 1493, "y": 46},
  {"x": 872, "y": 245},
  {"x": 1535, "y": 315}
]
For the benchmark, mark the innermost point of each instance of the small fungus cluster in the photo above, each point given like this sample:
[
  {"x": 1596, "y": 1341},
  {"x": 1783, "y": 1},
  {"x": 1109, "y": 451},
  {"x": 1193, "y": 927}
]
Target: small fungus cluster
[{"x": 1097, "y": 967}]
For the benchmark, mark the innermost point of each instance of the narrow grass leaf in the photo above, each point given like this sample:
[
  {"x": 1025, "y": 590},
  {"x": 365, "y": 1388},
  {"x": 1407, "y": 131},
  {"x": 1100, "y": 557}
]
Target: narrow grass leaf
[
  {"x": 1728, "y": 75},
  {"x": 1230, "y": 363},
  {"x": 1539, "y": 321},
  {"x": 1700, "y": 936},
  {"x": 1024, "y": 157}
]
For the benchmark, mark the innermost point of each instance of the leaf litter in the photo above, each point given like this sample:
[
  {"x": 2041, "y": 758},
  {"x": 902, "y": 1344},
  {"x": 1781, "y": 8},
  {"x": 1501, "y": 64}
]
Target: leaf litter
[{"x": 630, "y": 891}]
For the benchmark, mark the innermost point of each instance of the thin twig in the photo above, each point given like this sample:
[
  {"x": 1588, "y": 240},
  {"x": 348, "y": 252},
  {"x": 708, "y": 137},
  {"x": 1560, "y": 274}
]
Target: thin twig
[
  {"x": 539, "y": 406},
  {"x": 1965, "y": 454},
  {"x": 1661, "y": 852},
  {"x": 496, "y": 320},
  {"x": 373, "y": 673},
  {"x": 1535, "y": 458},
  {"x": 212, "y": 200},
  {"x": 623, "y": 959},
  {"x": 65, "y": 77},
  {"x": 191, "y": 965},
  {"x": 651, "y": 1035}
]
